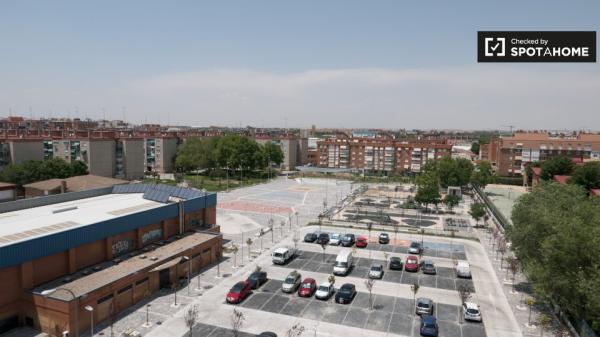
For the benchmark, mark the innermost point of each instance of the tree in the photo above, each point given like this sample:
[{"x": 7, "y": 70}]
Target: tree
[
  {"x": 234, "y": 249},
  {"x": 453, "y": 172},
  {"x": 272, "y": 153},
  {"x": 237, "y": 321},
  {"x": 78, "y": 168},
  {"x": 587, "y": 175},
  {"x": 451, "y": 201},
  {"x": 559, "y": 165},
  {"x": 415, "y": 289},
  {"x": 477, "y": 211},
  {"x": 196, "y": 153},
  {"x": 483, "y": 174},
  {"x": 271, "y": 223},
  {"x": 530, "y": 303},
  {"x": 190, "y": 317},
  {"x": 331, "y": 279},
  {"x": 428, "y": 191},
  {"x": 295, "y": 331},
  {"x": 502, "y": 249},
  {"x": 475, "y": 148},
  {"x": 249, "y": 244},
  {"x": 544, "y": 321},
  {"x": 369, "y": 283}
]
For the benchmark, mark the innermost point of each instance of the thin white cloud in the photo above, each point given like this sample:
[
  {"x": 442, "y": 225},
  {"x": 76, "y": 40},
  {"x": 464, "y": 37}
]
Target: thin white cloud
[{"x": 476, "y": 96}]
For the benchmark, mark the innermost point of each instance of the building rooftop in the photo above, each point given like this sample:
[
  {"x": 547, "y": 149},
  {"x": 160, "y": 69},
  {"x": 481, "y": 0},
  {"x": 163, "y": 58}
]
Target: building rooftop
[
  {"x": 77, "y": 183},
  {"x": 160, "y": 257},
  {"x": 25, "y": 224}
]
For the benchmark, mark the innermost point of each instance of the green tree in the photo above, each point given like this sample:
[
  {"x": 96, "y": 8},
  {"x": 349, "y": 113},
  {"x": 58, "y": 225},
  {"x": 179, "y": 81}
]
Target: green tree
[
  {"x": 451, "y": 201},
  {"x": 196, "y": 153},
  {"x": 79, "y": 168},
  {"x": 587, "y": 175},
  {"x": 555, "y": 234},
  {"x": 477, "y": 211},
  {"x": 428, "y": 191},
  {"x": 453, "y": 172},
  {"x": 475, "y": 148},
  {"x": 55, "y": 168},
  {"x": 559, "y": 165},
  {"x": 272, "y": 153},
  {"x": 483, "y": 174}
]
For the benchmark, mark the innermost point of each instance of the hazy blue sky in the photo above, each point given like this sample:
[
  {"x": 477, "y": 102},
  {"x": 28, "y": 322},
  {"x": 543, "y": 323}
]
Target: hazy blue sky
[{"x": 393, "y": 64}]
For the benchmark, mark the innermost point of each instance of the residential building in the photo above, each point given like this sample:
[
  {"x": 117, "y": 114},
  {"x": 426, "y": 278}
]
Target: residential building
[
  {"x": 295, "y": 149},
  {"x": 160, "y": 154},
  {"x": 384, "y": 154},
  {"x": 17, "y": 151},
  {"x": 98, "y": 154},
  {"x": 107, "y": 248},
  {"x": 129, "y": 158}
]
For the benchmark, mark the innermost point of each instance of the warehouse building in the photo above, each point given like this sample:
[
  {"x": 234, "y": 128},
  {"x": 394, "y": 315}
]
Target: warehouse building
[{"x": 106, "y": 248}]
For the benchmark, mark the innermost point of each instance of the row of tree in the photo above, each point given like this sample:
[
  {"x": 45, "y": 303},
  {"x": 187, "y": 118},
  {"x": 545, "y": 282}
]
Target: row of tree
[
  {"x": 231, "y": 151},
  {"x": 556, "y": 235},
  {"x": 449, "y": 172},
  {"x": 36, "y": 170},
  {"x": 586, "y": 175}
]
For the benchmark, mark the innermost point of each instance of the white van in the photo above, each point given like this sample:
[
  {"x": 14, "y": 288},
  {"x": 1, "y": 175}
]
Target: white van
[
  {"x": 463, "y": 269},
  {"x": 282, "y": 255},
  {"x": 343, "y": 263}
]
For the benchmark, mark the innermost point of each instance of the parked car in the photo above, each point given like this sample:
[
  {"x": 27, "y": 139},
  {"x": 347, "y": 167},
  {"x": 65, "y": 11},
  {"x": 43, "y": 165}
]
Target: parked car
[
  {"x": 384, "y": 238},
  {"x": 267, "y": 334},
  {"x": 463, "y": 269},
  {"x": 376, "y": 271},
  {"x": 238, "y": 292},
  {"x": 428, "y": 326},
  {"x": 310, "y": 237},
  {"x": 323, "y": 239},
  {"x": 424, "y": 306},
  {"x": 415, "y": 248},
  {"x": 256, "y": 279},
  {"x": 335, "y": 239},
  {"x": 307, "y": 288},
  {"x": 343, "y": 262},
  {"x": 361, "y": 242},
  {"x": 348, "y": 240},
  {"x": 395, "y": 263},
  {"x": 324, "y": 291},
  {"x": 412, "y": 263},
  {"x": 283, "y": 255},
  {"x": 428, "y": 267},
  {"x": 291, "y": 282},
  {"x": 471, "y": 312},
  {"x": 346, "y": 293}
]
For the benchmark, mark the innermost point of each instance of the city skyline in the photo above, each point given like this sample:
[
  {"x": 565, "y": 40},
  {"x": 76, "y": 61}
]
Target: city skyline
[{"x": 338, "y": 65}]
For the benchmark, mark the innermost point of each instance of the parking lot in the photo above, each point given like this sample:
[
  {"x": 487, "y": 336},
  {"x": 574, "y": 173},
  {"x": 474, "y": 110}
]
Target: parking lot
[
  {"x": 389, "y": 314},
  {"x": 315, "y": 262}
]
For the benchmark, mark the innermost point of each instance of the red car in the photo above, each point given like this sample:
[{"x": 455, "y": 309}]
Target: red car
[
  {"x": 307, "y": 288},
  {"x": 361, "y": 242},
  {"x": 412, "y": 263},
  {"x": 238, "y": 292}
]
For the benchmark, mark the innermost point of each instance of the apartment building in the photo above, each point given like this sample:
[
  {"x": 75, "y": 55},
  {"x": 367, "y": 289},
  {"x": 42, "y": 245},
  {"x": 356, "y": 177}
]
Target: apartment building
[
  {"x": 513, "y": 153},
  {"x": 385, "y": 155},
  {"x": 129, "y": 158},
  {"x": 160, "y": 154},
  {"x": 16, "y": 151},
  {"x": 295, "y": 149},
  {"x": 98, "y": 154}
]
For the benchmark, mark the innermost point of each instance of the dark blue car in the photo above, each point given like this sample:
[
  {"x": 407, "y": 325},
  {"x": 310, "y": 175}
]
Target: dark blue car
[{"x": 429, "y": 326}]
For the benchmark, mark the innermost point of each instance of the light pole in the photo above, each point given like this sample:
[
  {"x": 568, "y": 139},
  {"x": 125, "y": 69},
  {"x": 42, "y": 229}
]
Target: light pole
[
  {"x": 147, "y": 324},
  {"x": 48, "y": 292},
  {"x": 187, "y": 258},
  {"x": 242, "y": 245},
  {"x": 91, "y": 310},
  {"x": 296, "y": 213}
]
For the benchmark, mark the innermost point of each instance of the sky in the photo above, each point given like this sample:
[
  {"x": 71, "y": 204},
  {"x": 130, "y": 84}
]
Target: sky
[{"x": 343, "y": 64}]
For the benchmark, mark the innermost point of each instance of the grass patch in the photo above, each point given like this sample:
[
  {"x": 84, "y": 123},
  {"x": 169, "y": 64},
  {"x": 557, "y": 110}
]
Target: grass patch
[{"x": 217, "y": 184}]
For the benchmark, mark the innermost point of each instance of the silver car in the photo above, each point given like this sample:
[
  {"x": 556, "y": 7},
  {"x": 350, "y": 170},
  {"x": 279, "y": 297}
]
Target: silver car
[
  {"x": 376, "y": 271},
  {"x": 424, "y": 306},
  {"x": 291, "y": 282}
]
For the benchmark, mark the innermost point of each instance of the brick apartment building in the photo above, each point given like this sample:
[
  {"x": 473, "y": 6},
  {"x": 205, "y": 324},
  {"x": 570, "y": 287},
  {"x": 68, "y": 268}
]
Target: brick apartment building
[
  {"x": 107, "y": 248},
  {"x": 383, "y": 154},
  {"x": 510, "y": 155}
]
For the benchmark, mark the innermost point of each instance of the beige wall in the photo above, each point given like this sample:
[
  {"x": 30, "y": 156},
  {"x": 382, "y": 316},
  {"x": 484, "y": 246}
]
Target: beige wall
[
  {"x": 101, "y": 157},
  {"x": 133, "y": 158},
  {"x": 21, "y": 151}
]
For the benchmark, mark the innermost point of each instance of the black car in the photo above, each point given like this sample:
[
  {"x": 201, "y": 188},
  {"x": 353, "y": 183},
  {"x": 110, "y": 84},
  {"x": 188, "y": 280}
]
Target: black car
[
  {"x": 310, "y": 237},
  {"x": 348, "y": 240},
  {"x": 428, "y": 267},
  {"x": 384, "y": 238},
  {"x": 346, "y": 293},
  {"x": 395, "y": 263},
  {"x": 323, "y": 239},
  {"x": 428, "y": 326},
  {"x": 257, "y": 278},
  {"x": 267, "y": 334}
]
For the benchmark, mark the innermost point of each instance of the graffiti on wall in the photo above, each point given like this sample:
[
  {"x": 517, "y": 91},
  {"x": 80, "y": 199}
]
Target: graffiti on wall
[
  {"x": 151, "y": 235},
  {"x": 121, "y": 247}
]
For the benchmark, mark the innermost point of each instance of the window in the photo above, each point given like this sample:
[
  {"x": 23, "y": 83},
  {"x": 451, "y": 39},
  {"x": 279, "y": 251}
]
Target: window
[
  {"x": 124, "y": 289},
  {"x": 105, "y": 298},
  {"x": 137, "y": 283}
]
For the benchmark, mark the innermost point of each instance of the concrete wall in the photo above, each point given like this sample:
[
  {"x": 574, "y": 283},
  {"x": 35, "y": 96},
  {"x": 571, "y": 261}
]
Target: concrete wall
[
  {"x": 166, "y": 157},
  {"x": 133, "y": 158},
  {"x": 101, "y": 157},
  {"x": 21, "y": 151}
]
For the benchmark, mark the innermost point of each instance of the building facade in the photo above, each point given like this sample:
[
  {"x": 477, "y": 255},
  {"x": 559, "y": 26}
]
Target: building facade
[
  {"x": 160, "y": 154},
  {"x": 107, "y": 248},
  {"x": 385, "y": 155}
]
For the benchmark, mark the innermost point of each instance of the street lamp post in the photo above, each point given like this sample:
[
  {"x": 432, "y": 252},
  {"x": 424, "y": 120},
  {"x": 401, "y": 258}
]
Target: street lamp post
[
  {"x": 147, "y": 315},
  {"x": 91, "y": 310},
  {"x": 48, "y": 292},
  {"x": 187, "y": 258}
]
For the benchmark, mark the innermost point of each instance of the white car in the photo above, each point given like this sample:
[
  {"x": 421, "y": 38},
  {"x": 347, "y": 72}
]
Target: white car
[
  {"x": 324, "y": 291},
  {"x": 334, "y": 239},
  {"x": 376, "y": 271},
  {"x": 471, "y": 312},
  {"x": 463, "y": 269}
]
